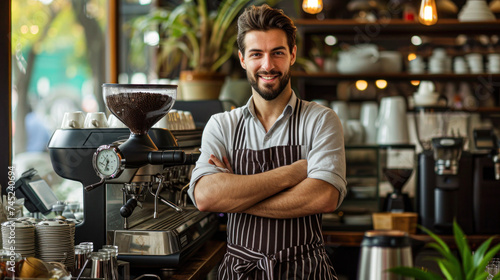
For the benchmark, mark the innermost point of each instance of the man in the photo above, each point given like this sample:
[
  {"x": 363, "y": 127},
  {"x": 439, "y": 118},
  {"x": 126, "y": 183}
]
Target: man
[{"x": 274, "y": 165}]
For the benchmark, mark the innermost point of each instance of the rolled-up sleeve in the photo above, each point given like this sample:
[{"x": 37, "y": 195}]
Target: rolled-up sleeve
[
  {"x": 326, "y": 159},
  {"x": 211, "y": 144}
]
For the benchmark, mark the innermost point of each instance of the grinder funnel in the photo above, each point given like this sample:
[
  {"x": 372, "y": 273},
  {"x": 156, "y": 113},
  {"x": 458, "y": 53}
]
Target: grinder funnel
[{"x": 139, "y": 107}]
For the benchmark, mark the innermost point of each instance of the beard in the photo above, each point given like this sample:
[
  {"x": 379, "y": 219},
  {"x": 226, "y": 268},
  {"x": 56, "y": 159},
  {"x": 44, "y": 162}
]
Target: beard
[{"x": 266, "y": 91}]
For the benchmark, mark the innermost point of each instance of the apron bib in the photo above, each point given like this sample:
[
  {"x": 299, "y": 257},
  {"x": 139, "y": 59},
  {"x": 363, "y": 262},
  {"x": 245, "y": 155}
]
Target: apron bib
[{"x": 266, "y": 248}]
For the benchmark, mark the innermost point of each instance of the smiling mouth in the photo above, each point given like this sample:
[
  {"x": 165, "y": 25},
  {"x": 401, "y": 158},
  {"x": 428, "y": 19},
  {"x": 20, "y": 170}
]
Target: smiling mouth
[{"x": 268, "y": 76}]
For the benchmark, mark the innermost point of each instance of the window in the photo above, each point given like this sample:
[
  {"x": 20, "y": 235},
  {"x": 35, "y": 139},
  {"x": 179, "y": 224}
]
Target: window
[{"x": 58, "y": 52}]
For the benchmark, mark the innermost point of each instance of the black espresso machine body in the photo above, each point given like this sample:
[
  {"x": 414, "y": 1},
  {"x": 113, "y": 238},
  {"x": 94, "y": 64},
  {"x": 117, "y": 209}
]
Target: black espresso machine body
[
  {"x": 486, "y": 196},
  {"x": 487, "y": 182},
  {"x": 442, "y": 198},
  {"x": 71, "y": 152},
  {"x": 470, "y": 196}
]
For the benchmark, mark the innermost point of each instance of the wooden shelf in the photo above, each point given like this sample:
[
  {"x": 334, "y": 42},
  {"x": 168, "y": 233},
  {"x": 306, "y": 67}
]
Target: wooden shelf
[
  {"x": 354, "y": 238},
  {"x": 397, "y": 27},
  {"x": 481, "y": 78}
]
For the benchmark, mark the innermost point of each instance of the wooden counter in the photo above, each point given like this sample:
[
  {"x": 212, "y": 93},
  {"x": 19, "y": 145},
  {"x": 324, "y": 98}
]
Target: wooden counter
[
  {"x": 354, "y": 238},
  {"x": 202, "y": 262},
  {"x": 212, "y": 252}
]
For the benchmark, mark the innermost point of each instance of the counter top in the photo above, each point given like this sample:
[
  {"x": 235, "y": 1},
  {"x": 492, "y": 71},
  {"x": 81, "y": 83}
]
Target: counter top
[
  {"x": 354, "y": 238},
  {"x": 212, "y": 252},
  {"x": 202, "y": 262}
]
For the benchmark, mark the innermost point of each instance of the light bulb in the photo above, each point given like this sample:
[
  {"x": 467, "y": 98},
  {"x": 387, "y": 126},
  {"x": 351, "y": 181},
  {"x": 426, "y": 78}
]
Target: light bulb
[
  {"x": 381, "y": 84},
  {"x": 428, "y": 12},
  {"x": 361, "y": 85},
  {"x": 312, "y": 6}
]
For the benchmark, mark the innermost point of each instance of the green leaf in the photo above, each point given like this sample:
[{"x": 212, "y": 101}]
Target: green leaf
[
  {"x": 448, "y": 270},
  {"x": 448, "y": 255},
  {"x": 490, "y": 254},
  {"x": 481, "y": 276},
  {"x": 463, "y": 247},
  {"x": 481, "y": 250},
  {"x": 440, "y": 241},
  {"x": 417, "y": 273}
]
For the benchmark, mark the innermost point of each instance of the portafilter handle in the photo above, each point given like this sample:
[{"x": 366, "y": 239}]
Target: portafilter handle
[
  {"x": 127, "y": 209},
  {"x": 172, "y": 157}
]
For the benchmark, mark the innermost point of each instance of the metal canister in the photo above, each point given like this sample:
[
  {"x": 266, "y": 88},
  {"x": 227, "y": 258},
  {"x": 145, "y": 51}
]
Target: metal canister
[
  {"x": 81, "y": 255},
  {"x": 113, "y": 253},
  {"x": 381, "y": 250},
  {"x": 99, "y": 264}
]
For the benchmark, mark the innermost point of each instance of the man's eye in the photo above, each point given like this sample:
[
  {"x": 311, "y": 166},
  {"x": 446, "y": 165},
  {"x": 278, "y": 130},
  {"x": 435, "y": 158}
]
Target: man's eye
[{"x": 254, "y": 54}]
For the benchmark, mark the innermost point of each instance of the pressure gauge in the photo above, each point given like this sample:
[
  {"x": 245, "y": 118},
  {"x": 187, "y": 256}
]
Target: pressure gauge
[{"x": 107, "y": 161}]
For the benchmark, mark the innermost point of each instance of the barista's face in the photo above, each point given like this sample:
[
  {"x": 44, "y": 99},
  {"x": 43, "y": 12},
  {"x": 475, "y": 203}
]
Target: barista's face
[{"x": 267, "y": 61}]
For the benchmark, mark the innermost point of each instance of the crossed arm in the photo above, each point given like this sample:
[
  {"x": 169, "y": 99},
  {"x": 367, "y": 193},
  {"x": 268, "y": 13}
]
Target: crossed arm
[{"x": 284, "y": 192}]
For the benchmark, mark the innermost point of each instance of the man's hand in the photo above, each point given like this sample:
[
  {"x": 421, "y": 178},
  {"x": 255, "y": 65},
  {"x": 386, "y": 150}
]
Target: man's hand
[{"x": 222, "y": 164}]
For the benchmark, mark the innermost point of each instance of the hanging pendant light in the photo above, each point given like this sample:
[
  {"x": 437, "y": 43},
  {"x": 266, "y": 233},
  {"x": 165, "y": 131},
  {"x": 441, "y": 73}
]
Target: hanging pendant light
[
  {"x": 312, "y": 6},
  {"x": 428, "y": 12}
]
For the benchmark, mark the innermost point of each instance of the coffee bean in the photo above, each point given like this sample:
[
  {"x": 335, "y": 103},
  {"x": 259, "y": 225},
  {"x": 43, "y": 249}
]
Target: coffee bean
[{"x": 139, "y": 110}]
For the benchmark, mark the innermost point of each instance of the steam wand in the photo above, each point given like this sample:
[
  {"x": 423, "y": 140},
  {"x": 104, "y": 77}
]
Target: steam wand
[{"x": 157, "y": 196}]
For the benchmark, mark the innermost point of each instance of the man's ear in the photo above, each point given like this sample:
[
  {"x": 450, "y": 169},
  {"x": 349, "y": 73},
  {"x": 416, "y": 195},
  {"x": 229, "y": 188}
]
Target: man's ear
[
  {"x": 242, "y": 60},
  {"x": 294, "y": 55}
]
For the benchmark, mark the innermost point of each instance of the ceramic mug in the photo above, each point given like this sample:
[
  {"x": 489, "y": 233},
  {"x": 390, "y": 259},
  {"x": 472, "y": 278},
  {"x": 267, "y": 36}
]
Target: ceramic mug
[
  {"x": 73, "y": 120},
  {"x": 114, "y": 122},
  {"x": 340, "y": 107},
  {"x": 357, "y": 132},
  {"x": 95, "y": 120},
  {"x": 392, "y": 123},
  {"x": 368, "y": 118}
]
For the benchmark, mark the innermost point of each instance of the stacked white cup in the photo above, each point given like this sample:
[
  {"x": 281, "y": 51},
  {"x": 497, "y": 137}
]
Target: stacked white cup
[
  {"x": 340, "y": 107},
  {"x": 392, "y": 124},
  {"x": 368, "y": 117},
  {"x": 95, "y": 120},
  {"x": 439, "y": 62},
  {"x": 460, "y": 65},
  {"x": 416, "y": 65},
  {"x": 426, "y": 94},
  {"x": 494, "y": 63},
  {"x": 72, "y": 120},
  {"x": 475, "y": 61}
]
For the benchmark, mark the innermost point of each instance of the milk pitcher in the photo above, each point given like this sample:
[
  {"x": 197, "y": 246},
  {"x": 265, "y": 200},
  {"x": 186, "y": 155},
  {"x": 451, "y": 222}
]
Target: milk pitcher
[{"x": 381, "y": 250}]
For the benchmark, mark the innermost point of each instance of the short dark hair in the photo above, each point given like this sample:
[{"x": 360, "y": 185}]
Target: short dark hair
[{"x": 263, "y": 18}]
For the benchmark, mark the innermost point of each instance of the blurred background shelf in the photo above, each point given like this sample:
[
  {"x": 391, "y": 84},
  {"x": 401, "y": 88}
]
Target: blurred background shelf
[
  {"x": 486, "y": 77},
  {"x": 397, "y": 27}
]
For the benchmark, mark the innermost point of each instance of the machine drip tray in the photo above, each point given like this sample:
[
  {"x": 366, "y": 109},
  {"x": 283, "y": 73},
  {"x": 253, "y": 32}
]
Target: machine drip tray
[{"x": 168, "y": 241}]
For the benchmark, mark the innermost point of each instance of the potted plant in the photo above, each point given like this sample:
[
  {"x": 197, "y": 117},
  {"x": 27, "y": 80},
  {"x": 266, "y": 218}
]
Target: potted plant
[
  {"x": 203, "y": 37},
  {"x": 467, "y": 266}
]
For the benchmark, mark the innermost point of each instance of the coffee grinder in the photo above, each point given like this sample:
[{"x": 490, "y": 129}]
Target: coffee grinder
[
  {"x": 397, "y": 166},
  {"x": 444, "y": 179},
  {"x": 130, "y": 174}
]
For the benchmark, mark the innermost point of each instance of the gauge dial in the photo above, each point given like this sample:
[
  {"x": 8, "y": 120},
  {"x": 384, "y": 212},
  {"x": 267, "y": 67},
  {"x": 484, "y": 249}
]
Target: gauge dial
[{"x": 107, "y": 161}]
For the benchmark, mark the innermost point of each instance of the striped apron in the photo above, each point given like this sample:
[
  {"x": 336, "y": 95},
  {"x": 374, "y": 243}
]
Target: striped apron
[{"x": 265, "y": 248}]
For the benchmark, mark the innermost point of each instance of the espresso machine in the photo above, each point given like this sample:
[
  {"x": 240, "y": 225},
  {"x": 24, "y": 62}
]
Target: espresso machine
[
  {"x": 135, "y": 179},
  {"x": 444, "y": 180},
  {"x": 486, "y": 182}
]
